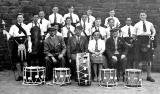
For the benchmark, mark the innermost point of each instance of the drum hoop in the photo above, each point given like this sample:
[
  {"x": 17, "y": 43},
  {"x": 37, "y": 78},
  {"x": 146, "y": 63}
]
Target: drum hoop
[
  {"x": 133, "y": 70},
  {"x": 35, "y": 67},
  {"x": 59, "y": 69}
]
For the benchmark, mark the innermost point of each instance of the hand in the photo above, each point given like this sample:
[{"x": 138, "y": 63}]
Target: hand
[
  {"x": 69, "y": 60},
  {"x": 123, "y": 56},
  {"x": 97, "y": 53},
  {"x": 29, "y": 50},
  {"x": 60, "y": 56},
  {"x": 152, "y": 38},
  {"x": 114, "y": 58},
  {"x": 54, "y": 60}
]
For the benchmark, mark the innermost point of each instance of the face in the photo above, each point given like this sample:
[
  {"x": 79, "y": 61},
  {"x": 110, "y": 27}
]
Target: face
[
  {"x": 128, "y": 21},
  {"x": 96, "y": 35},
  {"x": 20, "y": 18},
  {"x": 53, "y": 33},
  {"x": 111, "y": 23},
  {"x": 71, "y": 9},
  {"x": 55, "y": 9},
  {"x": 89, "y": 12},
  {"x": 115, "y": 34},
  {"x": 41, "y": 14},
  {"x": 112, "y": 13},
  {"x": 78, "y": 32},
  {"x": 35, "y": 18},
  {"x": 84, "y": 18},
  {"x": 143, "y": 16},
  {"x": 98, "y": 22},
  {"x": 68, "y": 21}
]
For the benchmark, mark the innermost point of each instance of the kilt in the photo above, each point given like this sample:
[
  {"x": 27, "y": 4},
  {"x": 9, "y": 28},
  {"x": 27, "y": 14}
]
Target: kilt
[
  {"x": 98, "y": 59},
  {"x": 17, "y": 56}
]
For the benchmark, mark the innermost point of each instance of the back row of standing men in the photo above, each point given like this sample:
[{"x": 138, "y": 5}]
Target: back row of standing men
[{"x": 67, "y": 24}]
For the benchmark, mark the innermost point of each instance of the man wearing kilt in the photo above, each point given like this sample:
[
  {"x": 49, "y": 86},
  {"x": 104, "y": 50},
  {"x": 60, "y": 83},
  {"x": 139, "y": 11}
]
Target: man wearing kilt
[
  {"x": 145, "y": 33},
  {"x": 22, "y": 44}
]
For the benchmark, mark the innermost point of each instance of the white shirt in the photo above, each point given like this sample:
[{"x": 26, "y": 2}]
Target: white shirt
[
  {"x": 14, "y": 30},
  {"x": 92, "y": 44},
  {"x": 44, "y": 26},
  {"x": 108, "y": 34},
  {"x": 32, "y": 24},
  {"x": 65, "y": 30},
  {"x": 116, "y": 22},
  {"x": 101, "y": 29},
  {"x": 59, "y": 18},
  {"x": 138, "y": 28},
  {"x": 125, "y": 29},
  {"x": 74, "y": 17},
  {"x": 88, "y": 27},
  {"x": 91, "y": 19}
]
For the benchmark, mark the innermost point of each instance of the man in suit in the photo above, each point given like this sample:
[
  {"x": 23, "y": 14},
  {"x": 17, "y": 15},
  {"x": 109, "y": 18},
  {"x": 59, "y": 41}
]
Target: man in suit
[
  {"x": 54, "y": 49},
  {"x": 76, "y": 44},
  {"x": 116, "y": 52}
]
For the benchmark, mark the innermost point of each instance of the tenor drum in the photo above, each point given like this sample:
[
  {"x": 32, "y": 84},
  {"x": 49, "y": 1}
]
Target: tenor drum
[
  {"x": 61, "y": 76},
  {"x": 83, "y": 69},
  {"x": 133, "y": 77},
  {"x": 33, "y": 75},
  {"x": 108, "y": 77}
]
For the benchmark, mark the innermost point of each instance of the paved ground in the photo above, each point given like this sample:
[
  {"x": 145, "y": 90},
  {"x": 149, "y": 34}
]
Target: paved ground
[{"x": 9, "y": 86}]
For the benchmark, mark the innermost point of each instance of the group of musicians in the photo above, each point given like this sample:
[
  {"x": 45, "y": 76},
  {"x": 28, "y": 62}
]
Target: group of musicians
[{"x": 60, "y": 38}]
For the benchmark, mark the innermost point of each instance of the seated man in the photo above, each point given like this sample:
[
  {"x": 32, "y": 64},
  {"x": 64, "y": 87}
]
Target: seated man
[
  {"x": 76, "y": 44},
  {"x": 116, "y": 51},
  {"x": 54, "y": 49}
]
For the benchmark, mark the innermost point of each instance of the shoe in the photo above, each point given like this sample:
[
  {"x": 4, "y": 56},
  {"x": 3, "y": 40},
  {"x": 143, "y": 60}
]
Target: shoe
[
  {"x": 20, "y": 78},
  {"x": 150, "y": 79}
]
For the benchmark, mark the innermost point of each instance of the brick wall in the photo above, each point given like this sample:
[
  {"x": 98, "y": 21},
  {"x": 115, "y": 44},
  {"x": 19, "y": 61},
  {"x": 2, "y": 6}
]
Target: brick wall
[{"x": 124, "y": 8}]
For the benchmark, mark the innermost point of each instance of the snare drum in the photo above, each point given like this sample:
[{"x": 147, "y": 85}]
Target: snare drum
[
  {"x": 61, "y": 76},
  {"x": 83, "y": 69},
  {"x": 133, "y": 77},
  {"x": 33, "y": 75},
  {"x": 108, "y": 77}
]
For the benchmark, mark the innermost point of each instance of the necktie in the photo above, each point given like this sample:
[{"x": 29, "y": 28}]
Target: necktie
[
  {"x": 71, "y": 17},
  {"x": 88, "y": 19},
  {"x": 55, "y": 18},
  {"x": 129, "y": 32},
  {"x": 20, "y": 30},
  {"x": 97, "y": 28},
  {"x": 96, "y": 46},
  {"x": 84, "y": 25},
  {"x": 144, "y": 27},
  {"x": 68, "y": 33},
  {"x": 41, "y": 21}
]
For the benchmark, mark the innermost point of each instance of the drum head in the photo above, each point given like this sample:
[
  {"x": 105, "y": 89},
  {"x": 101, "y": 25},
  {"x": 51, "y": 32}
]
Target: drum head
[
  {"x": 61, "y": 69},
  {"x": 34, "y": 67},
  {"x": 133, "y": 70},
  {"x": 107, "y": 69}
]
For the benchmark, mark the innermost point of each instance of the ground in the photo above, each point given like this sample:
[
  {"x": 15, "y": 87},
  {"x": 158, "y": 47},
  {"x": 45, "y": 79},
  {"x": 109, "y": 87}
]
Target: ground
[{"x": 9, "y": 86}]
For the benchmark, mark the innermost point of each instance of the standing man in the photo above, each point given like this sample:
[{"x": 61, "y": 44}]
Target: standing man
[
  {"x": 44, "y": 24},
  {"x": 90, "y": 18},
  {"x": 74, "y": 17},
  {"x": 116, "y": 20},
  {"x": 99, "y": 28},
  {"x": 54, "y": 49},
  {"x": 116, "y": 52},
  {"x": 145, "y": 28},
  {"x": 20, "y": 34},
  {"x": 128, "y": 34},
  {"x": 68, "y": 30},
  {"x": 76, "y": 44},
  {"x": 55, "y": 17}
]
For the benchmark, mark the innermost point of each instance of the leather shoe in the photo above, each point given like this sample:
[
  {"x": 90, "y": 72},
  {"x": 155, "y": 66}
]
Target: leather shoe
[
  {"x": 20, "y": 78},
  {"x": 150, "y": 79}
]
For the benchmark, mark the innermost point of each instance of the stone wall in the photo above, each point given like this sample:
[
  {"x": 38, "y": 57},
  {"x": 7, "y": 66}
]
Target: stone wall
[{"x": 124, "y": 8}]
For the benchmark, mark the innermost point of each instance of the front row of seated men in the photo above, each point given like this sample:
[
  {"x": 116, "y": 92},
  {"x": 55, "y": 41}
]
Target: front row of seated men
[{"x": 55, "y": 49}]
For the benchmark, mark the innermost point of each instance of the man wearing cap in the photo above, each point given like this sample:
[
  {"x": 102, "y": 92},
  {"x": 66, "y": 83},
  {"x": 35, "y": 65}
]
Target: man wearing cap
[
  {"x": 116, "y": 52},
  {"x": 54, "y": 49},
  {"x": 76, "y": 44}
]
